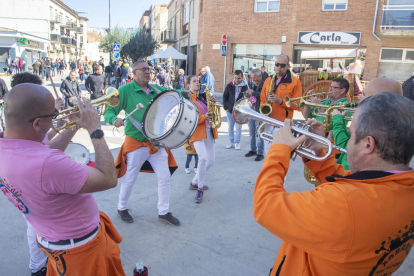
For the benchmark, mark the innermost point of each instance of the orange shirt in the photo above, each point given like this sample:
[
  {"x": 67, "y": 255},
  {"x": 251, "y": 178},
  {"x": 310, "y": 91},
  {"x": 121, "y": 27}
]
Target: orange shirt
[
  {"x": 359, "y": 224},
  {"x": 289, "y": 86},
  {"x": 200, "y": 132}
]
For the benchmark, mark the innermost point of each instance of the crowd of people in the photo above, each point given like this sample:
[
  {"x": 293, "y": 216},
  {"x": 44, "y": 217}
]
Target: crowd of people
[{"x": 350, "y": 221}]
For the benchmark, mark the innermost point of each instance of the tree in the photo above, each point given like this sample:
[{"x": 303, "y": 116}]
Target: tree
[
  {"x": 139, "y": 46},
  {"x": 118, "y": 35}
]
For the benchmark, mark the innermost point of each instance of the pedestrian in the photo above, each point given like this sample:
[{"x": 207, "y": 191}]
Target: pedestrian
[
  {"x": 81, "y": 72},
  {"x": 61, "y": 67},
  {"x": 108, "y": 73},
  {"x": 52, "y": 68},
  {"x": 36, "y": 67},
  {"x": 408, "y": 87},
  {"x": 87, "y": 69},
  {"x": 70, "y": 89},
  {"x": 41, "y": 72},
  {"x": 207, "y": 79},
  {"x": 191, "y": 152},
  {"x": 265, "y": 75},
  {"x": 180, "y": 79},
  {"x": 118, "y": 73},
  {"x": 161, "y": 77},
  {"x": 9, "y": 63},
  {"x": 72, "y": 65},
  {"x": 153, "y": 77},
  {"x": 125, "y": 69},
  {"x": 20, "y": 65},
  {"x": 96, "y": 83},
  {"x": 169, "y": 78},
  {"x": 130, "y": 75}
]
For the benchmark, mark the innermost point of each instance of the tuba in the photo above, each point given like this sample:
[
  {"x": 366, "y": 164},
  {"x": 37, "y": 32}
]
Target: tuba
[
  {"x": 213, "y": 108},
  {"x": 266, "y": 108}
]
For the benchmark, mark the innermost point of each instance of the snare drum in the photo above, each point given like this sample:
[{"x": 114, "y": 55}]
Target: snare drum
[
  {"x": 170, "y": 120},
  {"x": 78, "y": 153}
]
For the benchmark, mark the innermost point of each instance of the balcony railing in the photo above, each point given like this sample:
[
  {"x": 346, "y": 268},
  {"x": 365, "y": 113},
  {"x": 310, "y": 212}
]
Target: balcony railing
[
  {"x": 55, "y": 38},
  {"x": 185, "y": 29},
  {"x": 68, "y": 41},
  {"x": 79, "y": 29},
  {"x": 168, "y": 36},
  {"x": 397, "y": 20},
  {"x": 71, "y": 25},
  {"x": 55, "y": 18}
]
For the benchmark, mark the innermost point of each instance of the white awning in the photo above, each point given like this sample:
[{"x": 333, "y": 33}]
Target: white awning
[
  {"x": 173, "y": 53},
  {"x": 155, "y": 56},
  {"x": 343, "y": 53}
]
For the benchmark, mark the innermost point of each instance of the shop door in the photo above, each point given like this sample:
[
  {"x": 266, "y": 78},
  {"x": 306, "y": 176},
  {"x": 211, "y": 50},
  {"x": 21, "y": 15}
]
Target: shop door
[{"x": 194, "y": 71}]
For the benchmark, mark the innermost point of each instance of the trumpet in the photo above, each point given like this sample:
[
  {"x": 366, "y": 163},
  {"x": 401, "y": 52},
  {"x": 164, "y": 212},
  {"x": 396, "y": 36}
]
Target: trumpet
[
  {"x": 243, "y": 112},
  {"x": 111, "y": 98},
  {"x": 289, "y": 101}
]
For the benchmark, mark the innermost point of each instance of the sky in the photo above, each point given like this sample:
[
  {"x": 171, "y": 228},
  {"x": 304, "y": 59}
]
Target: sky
[{"x": 125, "y": 13}]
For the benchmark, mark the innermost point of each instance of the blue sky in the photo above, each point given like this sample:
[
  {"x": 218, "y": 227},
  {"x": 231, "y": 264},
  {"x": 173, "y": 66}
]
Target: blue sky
[{"x": 125, "y": 13}]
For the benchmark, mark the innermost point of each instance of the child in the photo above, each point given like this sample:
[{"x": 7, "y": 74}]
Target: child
[{"x": 190, "y": 151}]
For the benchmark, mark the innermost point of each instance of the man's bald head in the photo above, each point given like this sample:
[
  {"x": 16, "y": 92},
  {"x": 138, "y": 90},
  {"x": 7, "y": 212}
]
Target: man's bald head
[
  {"x": 25, "y": 102},
  {"x": 381, "y": 85}
]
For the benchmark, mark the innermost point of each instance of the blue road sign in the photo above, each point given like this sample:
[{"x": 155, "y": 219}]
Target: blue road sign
[
  {"x": 223, "y": 50},
  {"x": 116, "y": 47},
  {"x": 116, "y": 55}
]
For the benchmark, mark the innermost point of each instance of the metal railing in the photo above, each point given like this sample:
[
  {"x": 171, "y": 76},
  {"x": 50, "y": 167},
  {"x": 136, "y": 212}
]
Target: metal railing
[
  {"x": 55, "y": 38},
  {"x": 168, "y": 36},
  {"x": 55, "y": 18},
  {"x": 71, "y": 25},
  {"x": 397, "y": 17},
  {"x": 68, "y": 41}
]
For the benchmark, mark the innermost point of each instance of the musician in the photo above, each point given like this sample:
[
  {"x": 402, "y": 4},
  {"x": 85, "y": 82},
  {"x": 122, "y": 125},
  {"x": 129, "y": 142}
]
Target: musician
[
  {"x": 70, "y": 88},
  {"x": 234, "y": 91},
  {"x": 340, "y": 132},
  {"x": 202, "y": 139},
  {"x": 255, "y": 91},
  {"x": 358, "y": 222},
  {"x": 285, "y": 85},
  {"x": 338, "y": 88},
  {"x": 54, "y": 192},
  {"x": 137, "y": 153}
]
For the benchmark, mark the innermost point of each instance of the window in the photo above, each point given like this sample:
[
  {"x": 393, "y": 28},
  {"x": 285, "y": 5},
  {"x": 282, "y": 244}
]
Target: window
[
  {"x": 334, "y": 5},
  {"x": 186, "y": 15},
  {"x": 201, "y": 6},
  {"x": 266, "y": 5},
  {"x": 397, "y": 55},
  {"x": 193, "y": 8},
  {"x": 246, "y": 56}
]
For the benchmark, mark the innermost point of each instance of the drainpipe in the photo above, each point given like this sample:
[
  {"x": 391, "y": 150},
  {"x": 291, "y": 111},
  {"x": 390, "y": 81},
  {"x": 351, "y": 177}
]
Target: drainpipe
[{"x": 375, "y": 22}]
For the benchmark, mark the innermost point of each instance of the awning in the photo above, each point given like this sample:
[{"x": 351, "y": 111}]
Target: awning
[
  {"x": 173, "y": 53},
  {"x": 343, "y": 53},
  {"x": 155, "y": 56}
]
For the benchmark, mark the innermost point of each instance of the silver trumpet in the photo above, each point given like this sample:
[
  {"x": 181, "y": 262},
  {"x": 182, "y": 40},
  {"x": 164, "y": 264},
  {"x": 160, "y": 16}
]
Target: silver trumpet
[{"x": 243, "y": 112}]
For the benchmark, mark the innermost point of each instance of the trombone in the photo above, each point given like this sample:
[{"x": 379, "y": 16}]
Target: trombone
[
  {"x": 243, "y": 112},
  {"x": 289, "y": 101},
  {"x": 111, "y": 98}
]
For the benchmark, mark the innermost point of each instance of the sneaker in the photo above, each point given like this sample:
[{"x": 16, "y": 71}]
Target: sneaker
[
  {"x": 41, "y": 272},
  {"x": 195, "y": 170},
  {"x": 229, "y": 145},
  {"x": 250, "y": 153},
  {"x": 187, "y": 170},
  {"x": 169, "y": 218},
  {"x": 259, "y": 157},
  {"x": 199, "y": 196},
  {"x": 125, "y": 216},
  {"x": 237, "y": 146},
  {"x": 195, "y": 187}
]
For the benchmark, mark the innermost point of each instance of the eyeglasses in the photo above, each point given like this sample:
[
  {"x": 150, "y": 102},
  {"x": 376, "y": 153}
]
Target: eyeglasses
[
  {"x": 334, "y": 87},
  {"x": 53, "y": 115},
  {"x": 145, "y": 69},
  {"x": 281, "y": 65}
]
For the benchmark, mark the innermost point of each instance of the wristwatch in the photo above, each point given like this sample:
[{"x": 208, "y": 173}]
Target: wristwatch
[{"x": 97, "y": 133}]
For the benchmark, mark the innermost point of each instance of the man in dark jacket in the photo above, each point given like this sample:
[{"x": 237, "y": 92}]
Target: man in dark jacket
[
  {"x": 408, "y": 88},
  {"x": 72, "y": 65},
  {"x": 118, "y": 73},
  {"x": 96, "y": 83},
  {"x": 254, "y": 92},
  {"x": 70, "y": 88},
  {"x": 265, "y": 75},
  {"x": 108, "y": 74},
  {"x": 234, "y": 91}
]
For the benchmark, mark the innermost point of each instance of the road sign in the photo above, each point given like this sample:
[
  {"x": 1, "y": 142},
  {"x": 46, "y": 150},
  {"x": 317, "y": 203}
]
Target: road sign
[
  {"x": 116, "y": 47},
  {"x": 116, "y": 55},
  {"x": 223, "y": 50},
  {"x": 224, "y": 39}
]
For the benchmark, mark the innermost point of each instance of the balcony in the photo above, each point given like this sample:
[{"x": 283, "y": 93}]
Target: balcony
[
  {"x": 397, "y": 20},
  {"x": 185, "y": 29},
  {"x": 79, "y": 29},
  {"x": 168, "y": 36},
  {"x": 71, "y": 25},
  {"x": 55, "y": 18},
  {"x": 55, "y": 38},
  {"x": 68, "y": 41}
]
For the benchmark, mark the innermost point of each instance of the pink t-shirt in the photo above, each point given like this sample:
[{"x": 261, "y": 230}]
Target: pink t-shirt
[{"x": 43, "y": 184}]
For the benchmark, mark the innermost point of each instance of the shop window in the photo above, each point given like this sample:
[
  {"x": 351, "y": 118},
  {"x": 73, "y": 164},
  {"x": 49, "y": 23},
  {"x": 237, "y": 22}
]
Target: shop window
[
  {"x": 246, "y": 56},
  {"x": 397, "y": 55},
  {"x": 266, "y": 6},
  {"x": 334, "y": 5},
  {"x": 409, "y": 55}
]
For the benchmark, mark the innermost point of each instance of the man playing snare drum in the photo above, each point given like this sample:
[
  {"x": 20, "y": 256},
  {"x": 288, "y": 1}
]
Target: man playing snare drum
[{"x": 137, "y": 153}]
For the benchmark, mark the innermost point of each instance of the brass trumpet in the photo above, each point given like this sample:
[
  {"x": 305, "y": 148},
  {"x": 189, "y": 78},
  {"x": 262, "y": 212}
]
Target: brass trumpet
[
  {"x": 289, "y": 101},
  {"x": 111, "y": 98},
  {"x": 214, "y": 108}
]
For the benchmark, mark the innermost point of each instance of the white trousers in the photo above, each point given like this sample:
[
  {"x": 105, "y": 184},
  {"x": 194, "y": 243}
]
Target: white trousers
[
  {"x": 206, "y": 155},
  {"x": 159, "y": 162},
  {"x": 270, "y": 130},
  {"x": 37, "y": 256}
]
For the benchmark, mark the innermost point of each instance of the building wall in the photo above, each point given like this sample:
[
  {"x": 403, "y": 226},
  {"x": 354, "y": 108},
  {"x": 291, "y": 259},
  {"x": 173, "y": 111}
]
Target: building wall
[{"x": 244, "y": 26}]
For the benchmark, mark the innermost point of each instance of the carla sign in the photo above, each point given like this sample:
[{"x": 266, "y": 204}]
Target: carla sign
[{"x": 330, "y": 38}]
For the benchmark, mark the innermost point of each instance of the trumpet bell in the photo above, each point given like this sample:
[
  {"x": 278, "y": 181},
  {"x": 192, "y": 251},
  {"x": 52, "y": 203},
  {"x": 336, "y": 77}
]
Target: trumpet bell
[{"x": 238, "y": 116}]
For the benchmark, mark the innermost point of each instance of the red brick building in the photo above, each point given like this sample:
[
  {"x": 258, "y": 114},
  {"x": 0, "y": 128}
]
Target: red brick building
[{"x": 259, "y": 30}]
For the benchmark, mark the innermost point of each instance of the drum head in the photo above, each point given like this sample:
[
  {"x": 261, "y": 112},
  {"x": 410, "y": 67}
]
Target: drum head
[
  {"x": 77, "y": 153},
  {"x": 162, "y": 115}
]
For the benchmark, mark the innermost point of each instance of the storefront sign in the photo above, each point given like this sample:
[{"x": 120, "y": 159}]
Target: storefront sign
[
  {"x": 23, "y": 41},
  {"x": 33, "y": 44},
  {"x": 329, "y": 38}
]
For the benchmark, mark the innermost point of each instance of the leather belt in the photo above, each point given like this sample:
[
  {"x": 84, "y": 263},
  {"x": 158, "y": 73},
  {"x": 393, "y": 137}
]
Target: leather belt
[{"x": 66, "y": 242}]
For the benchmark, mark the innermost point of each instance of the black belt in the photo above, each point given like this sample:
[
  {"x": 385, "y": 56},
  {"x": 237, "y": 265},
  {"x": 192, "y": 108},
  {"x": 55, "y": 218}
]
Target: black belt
[{"x": 66, "y": 242}]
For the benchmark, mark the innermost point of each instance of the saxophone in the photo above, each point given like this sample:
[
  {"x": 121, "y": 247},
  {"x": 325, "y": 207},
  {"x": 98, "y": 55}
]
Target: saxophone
[
  {"x": 213, "y": 108},
  {"x": 266, "y": 108}
]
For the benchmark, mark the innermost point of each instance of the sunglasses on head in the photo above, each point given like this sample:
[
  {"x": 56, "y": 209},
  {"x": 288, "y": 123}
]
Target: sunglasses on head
[
  {"x": 53, "y": 115},
  {"x": 281, "y": 65}
]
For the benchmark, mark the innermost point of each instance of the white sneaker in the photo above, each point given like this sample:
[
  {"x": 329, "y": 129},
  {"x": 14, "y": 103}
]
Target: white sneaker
[
  {"x": 229, "y": 145},
  {"x": 195, "y": 170},
  {"x": 237, "y": 146},
  {"x": 187, "y": 170}
]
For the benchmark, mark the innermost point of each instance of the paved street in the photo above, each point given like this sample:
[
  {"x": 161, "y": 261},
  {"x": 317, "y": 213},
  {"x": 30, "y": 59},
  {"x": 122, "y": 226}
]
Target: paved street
[{"x": 217, "y": 237}]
